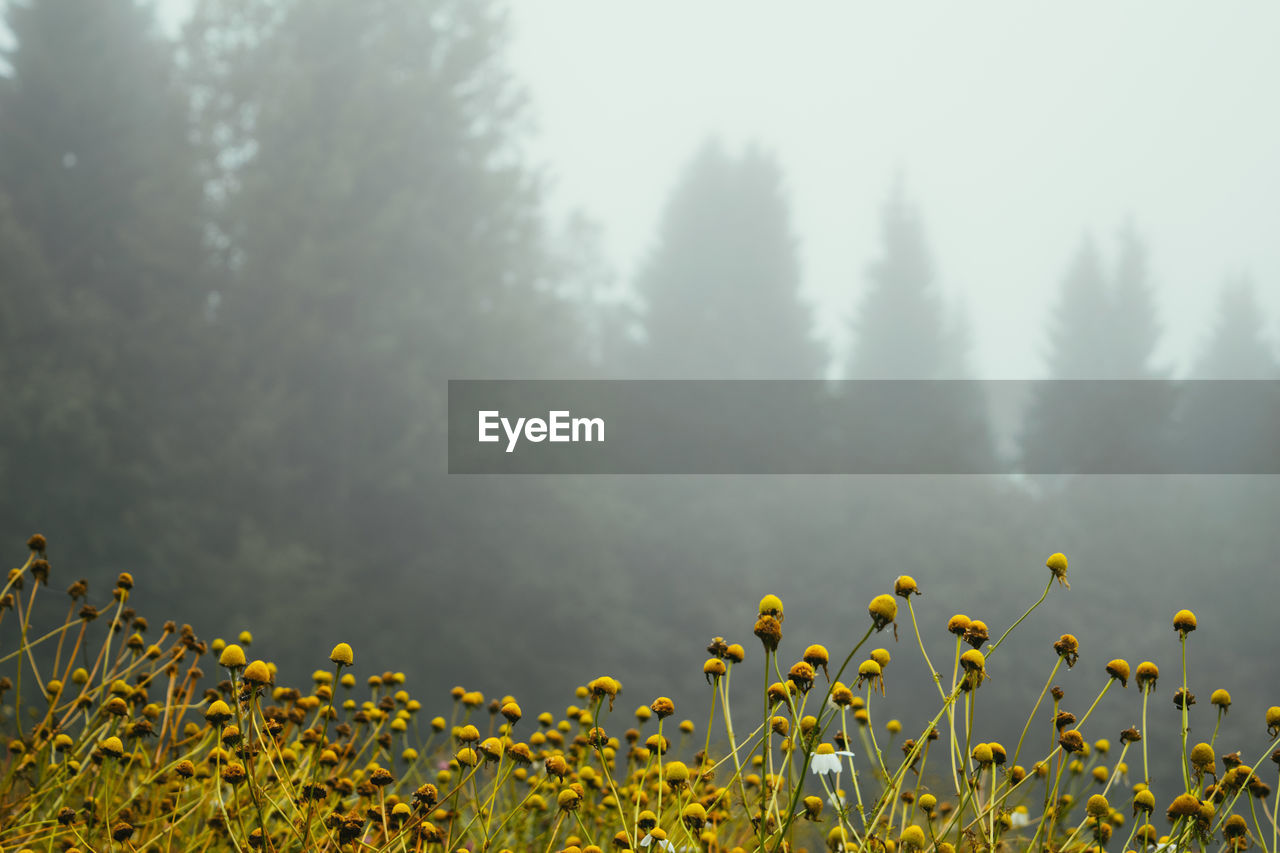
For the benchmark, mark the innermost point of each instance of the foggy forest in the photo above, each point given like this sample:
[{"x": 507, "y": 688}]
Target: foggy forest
[{"x": 244, "y": 246}]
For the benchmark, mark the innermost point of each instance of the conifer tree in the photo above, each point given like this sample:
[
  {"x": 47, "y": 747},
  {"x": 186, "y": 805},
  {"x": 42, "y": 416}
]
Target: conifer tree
[{"x": 720, "y": 289}]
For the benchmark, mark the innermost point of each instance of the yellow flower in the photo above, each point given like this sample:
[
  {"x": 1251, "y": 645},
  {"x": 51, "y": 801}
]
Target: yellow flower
[
  {"x": 1119, "y": 670},
  {"x": 342, "y": 655},
  {"x": 1184, "y": 622},
  {"x": 232, "y": 657},
  {"x": 905, "y": 586},
  {"x": 1057, "y": 564},
  {"x": 884, "y": 610},
  {"x": 771, "y": 605}
]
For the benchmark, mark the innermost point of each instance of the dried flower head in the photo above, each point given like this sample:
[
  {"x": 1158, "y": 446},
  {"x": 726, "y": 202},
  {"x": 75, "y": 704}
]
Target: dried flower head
[
  {"x": 1071, "y": 741},
  {"x": 1068, "y": 648},
  {"x": 976, "y": 634},
  {"x": 769, "y": 629},
  {"x": 801, "y": 675}
]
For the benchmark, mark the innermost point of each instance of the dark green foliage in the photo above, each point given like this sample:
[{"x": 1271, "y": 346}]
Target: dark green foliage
[{"x": 103, "y": 213}]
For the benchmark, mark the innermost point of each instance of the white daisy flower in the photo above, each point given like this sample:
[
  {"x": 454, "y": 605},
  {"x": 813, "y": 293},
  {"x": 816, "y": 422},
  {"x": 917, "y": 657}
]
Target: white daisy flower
[
  {"x": 826, "y": 759},
  {"x": 662, "y": 843}
]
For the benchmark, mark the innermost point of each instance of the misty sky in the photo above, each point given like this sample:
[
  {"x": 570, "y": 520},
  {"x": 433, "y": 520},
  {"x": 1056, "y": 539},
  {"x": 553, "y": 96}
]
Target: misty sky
[{"x": 1018, "y": 127}]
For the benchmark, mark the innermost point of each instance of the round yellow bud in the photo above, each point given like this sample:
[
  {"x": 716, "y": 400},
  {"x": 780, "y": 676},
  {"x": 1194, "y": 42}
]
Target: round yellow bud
[
  {"x": 232, "y": 657},
  {"x": 342, "y": 655}
]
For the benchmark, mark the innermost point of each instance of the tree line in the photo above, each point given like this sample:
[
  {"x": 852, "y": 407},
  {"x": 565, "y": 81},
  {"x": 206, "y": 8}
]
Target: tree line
[{"x": 240, "y": 266}]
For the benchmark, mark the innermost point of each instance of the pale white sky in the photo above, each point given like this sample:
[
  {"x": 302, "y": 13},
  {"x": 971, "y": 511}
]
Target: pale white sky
[{"x": 1018, "y": 126}]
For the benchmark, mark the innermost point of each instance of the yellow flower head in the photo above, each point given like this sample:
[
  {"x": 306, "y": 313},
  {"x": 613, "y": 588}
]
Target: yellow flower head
[
  {"x": 232, "y": 657},
  {"x": 771, "y": 605},
  {"x": 1273, "y": 720},
  {"x": 1202, "y": 758},
  {"x": 342, "y": 655},
  {"x": 1184, "y": 622},
  {"x": 884, "y": 610},
  {"x": 912, "y": 838},
  {"x": 1057, "y": 564},
  {"x": 258, "y": 673},
  {"x": 1119, "y": 670},
  {"x": 1147, "y": 674},
  {"x": 1098, "y": 806}
]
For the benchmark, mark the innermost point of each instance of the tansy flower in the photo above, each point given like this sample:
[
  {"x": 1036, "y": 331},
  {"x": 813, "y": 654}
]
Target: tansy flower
[
  {"x": 884, "y": 611},
  {"x": 1057, "y": 564}
]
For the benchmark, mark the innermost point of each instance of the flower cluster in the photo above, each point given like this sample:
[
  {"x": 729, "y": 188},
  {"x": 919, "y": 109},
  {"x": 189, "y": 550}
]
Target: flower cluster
[{"x": 120, "y": 740}]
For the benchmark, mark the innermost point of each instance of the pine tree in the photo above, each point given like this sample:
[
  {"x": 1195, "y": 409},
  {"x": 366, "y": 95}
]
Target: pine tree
[
  {"x": 1237, "y": 346},
  {"x": 900, "y": 330},
  {"x": 1131, "y": 327},
  {"x": 1098, "y": 411},
  {"x": 721, "y": 287},
  {"x": 1229, "y": 420},
  {"x": 381, "y": 237},
  {"x": 98, "y": 173},
  {"x": 904, "y": 331}
]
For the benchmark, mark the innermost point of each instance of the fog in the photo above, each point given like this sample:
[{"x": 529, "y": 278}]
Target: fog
[
  {"x": 1017, "y": 129},
  {"x": 245, "y": 246}
]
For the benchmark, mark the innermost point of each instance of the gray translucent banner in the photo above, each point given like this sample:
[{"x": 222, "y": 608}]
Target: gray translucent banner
[{"x": 864, "y": 427}]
